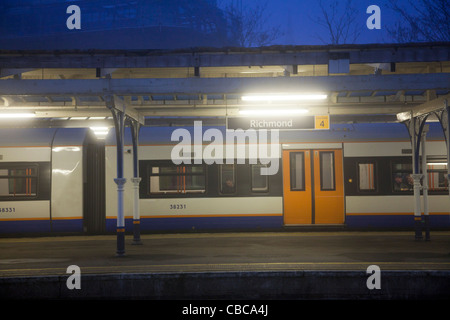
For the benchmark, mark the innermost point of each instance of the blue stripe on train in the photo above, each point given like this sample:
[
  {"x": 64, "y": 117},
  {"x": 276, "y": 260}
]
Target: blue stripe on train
[
  {"x": 19, "y": 226},
  {"x": 201, "y": 223},
  {"x": 67, "y": 225},
  {"x": 214, "y": 223},
  {"x": 24, "y": 226},
  {"x": 393, "y": 221}
]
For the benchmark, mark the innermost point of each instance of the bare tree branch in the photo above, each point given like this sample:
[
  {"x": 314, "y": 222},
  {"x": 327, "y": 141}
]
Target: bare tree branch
[
  {"x": 426, "y": 20},
  {"x": 339, "y": 19},
  {"x": 251, "y": 26}
]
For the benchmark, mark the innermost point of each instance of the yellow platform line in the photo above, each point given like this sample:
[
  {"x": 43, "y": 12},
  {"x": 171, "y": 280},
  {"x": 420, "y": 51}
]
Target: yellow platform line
[
  {"x": 235, "y": 267},
  {"x": 112, "y": 237}
]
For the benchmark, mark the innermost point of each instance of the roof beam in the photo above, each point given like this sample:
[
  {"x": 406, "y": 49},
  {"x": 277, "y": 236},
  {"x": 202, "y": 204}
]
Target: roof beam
[
  {"x": 277, "y": 55},
  {"x": 64, "y": 113},
  {"x": 196, "y": 86},
  {"x": 113, "y": 101}
]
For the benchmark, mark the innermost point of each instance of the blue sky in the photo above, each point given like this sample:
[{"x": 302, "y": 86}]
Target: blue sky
[{"x": 294, "y": 18}]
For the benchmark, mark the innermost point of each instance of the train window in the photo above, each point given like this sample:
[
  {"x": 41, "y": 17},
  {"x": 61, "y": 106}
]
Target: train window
[
  {"x": 177, "y": 179},
  {"x": 297, "y": 170},
  {"x": 327, "y": 170},
  {"x": 402, "y": 176},
  {"x": 366, "y": 173},
  {"x": 227, "y": 178},
  {"x": 437, "y": 176},
  {"x": 260, "y": 183},
  {"x": 18, "y": 181}
]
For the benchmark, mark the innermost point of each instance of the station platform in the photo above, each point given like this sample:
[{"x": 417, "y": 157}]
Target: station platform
[{"x": 241, "y": 265}]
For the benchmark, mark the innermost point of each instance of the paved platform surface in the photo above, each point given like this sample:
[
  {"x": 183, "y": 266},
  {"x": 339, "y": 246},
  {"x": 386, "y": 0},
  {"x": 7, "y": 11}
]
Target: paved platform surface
[
  {"x": 225, "y": 252},
  {"x": 237, "y": 254}
]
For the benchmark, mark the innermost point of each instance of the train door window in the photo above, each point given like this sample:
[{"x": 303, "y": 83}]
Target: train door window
[
  {"x": 327, "y": 181},
  {"x": 18, "y": 182},
  {"x": 177, "y": 179},
  {"x": 227, "y": 178},
  {"x": 437, "y": 176},
  {"x": 366, "y": 174},
  {"x": 402, "y": 177},
  {"x": 297, "y": 170},
  {"x": 194, "y": 179},
  {"x": 260, "y": 183},
  {"x": 163, "y": 180}
]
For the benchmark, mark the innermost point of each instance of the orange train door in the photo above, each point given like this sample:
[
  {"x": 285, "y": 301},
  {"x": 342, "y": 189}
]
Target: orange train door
[{"x": 313, "y": 187}]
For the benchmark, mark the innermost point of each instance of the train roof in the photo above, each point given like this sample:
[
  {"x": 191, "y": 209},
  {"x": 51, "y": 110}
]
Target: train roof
[
  {"x": 337, "y": 133},
  {"x": 42, "y": 137},
  {"x": 162, "y": 135}
]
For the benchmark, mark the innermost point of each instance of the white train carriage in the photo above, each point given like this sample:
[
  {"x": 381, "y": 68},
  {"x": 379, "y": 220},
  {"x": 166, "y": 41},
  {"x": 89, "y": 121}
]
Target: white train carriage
[
  {"x": 44, "y": 178},
  {"x": 354, "y": 176},
  {"x": 359, "y": 162},
  {"x": 191, "y": 196}
]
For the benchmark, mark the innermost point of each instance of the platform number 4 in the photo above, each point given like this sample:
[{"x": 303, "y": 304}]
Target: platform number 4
[
  {"x": 322, "y": 122},
  {"x": 374, "y": 280}
]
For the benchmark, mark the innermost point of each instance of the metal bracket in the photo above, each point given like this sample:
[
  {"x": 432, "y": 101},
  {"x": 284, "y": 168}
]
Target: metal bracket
[{"x": 116, "y": 102}]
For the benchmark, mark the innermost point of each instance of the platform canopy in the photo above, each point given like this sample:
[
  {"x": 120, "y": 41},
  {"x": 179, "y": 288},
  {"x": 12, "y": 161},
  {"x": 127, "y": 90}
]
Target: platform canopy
[{"x": 362, "y": 83}]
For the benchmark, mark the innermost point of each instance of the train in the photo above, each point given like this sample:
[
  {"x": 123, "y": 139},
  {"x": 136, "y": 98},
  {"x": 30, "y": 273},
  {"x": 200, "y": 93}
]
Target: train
[{"x": 352, "y": 176}]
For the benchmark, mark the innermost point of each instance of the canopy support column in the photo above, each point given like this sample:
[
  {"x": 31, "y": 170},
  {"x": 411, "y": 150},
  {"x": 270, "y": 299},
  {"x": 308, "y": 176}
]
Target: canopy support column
[
  {"x": 446, "y": 128},
  {"x": 415, "y": 129},
  {"x": 415, "y": 122},
  {"x": 426, "y": 216},
  {"x": 119, "y": 123},
  {"x": 135, "y": 126}
]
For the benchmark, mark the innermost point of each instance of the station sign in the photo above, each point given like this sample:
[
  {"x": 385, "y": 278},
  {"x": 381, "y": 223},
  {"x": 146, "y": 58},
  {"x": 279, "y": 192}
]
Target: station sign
[{"x": 321, "y": 122}]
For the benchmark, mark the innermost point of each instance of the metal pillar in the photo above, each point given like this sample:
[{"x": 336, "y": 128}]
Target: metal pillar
[
  {"x": 135, "y": 126},
  {"x": 426, "y": 216},
  {"x": 415, "y": 122},
  {"x": 119, "y": 122},
  {"x": 444, "y": 119},
  {"x": 417, "y": 207},
  {"x": 415, "y": 128},
  {"x": 416, "y": 176},
  {"x": 446, "y": 129}
]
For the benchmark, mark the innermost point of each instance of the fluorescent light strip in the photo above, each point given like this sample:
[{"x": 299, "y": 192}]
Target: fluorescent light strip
[
  {"x": 284, "y": 97},
  {"x": 100, "y": 132},
  {"x": 273, "y": 112},
  {"x": 96, "y": 118}
]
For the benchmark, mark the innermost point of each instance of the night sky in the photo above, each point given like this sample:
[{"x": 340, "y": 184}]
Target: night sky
[
  {"x": 296, "y": 20},
  {"x": 28, "y": 24}
]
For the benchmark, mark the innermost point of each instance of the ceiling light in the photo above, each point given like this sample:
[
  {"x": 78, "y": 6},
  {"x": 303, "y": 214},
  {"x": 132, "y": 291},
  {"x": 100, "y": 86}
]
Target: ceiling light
[
  {"x": 275, "y": 112},
  {"x": 96, "y": 118},
  {"x": 100, "y": 132},
  {"x": 283, "y": 97}
]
